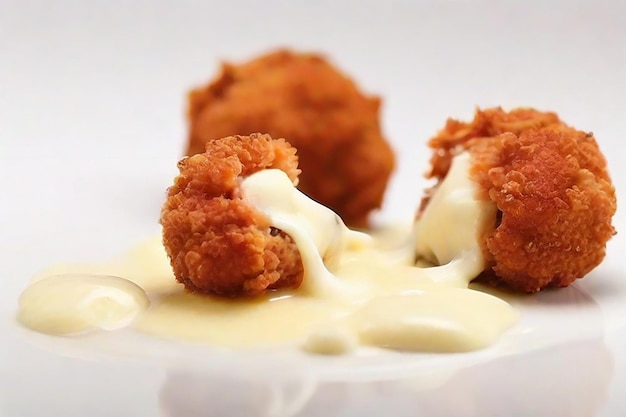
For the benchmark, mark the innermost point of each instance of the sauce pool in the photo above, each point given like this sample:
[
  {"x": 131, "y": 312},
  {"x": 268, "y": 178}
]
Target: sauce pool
[{"x": 357, "y": 289}]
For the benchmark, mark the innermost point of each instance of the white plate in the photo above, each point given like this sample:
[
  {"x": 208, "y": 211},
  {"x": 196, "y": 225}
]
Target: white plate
[{"x": 91, "y": 126}]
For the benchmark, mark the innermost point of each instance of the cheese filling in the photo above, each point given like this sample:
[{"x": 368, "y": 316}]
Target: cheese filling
[
  {"x": 448, "y": 230},
  {"x": 355, "y": 292}
]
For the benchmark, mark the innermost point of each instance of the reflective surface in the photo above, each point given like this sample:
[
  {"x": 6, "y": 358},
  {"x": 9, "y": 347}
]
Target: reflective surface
[{"x": 525, "y": 389}]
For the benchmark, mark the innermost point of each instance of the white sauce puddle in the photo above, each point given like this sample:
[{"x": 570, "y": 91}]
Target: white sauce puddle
[
  {"x": 357, "y": 289},
  {"x": 68, "y": 304}
]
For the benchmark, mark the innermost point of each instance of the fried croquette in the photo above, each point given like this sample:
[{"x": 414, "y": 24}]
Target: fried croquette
[
  {"x": 217, "y": 242},
  {"x": 551, "y": 187},
  {"x": 346, "y": 162}
]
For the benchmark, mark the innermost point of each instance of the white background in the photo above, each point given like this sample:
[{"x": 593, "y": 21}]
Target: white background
[{"x": 92, "y": 100}]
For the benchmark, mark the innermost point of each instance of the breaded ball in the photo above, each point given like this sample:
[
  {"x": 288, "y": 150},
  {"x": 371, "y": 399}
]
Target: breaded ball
[
  {"x": 553, "y": 193},
  {"x": 217, "y": 242},
  {"x": 346, "y": 163}
]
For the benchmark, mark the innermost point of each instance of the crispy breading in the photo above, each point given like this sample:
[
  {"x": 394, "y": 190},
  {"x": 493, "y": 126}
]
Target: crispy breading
[
  {"x": 553, "y": 192},
  {"x": 217, "y": 242},
  {"x": 345, "y": 160},
  {"x": 454, "y": 137}
]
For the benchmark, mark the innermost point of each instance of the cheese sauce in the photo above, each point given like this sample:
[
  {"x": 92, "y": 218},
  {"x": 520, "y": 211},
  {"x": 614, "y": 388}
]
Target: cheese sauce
[
  {"x": 67, "y": 304},
  {"x": 357, "y": 289}
]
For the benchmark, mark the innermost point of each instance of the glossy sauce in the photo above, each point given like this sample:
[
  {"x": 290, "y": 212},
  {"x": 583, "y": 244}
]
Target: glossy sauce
[
  {"x": 68, "y": 304},
  {"x": 357, "y": 289}
]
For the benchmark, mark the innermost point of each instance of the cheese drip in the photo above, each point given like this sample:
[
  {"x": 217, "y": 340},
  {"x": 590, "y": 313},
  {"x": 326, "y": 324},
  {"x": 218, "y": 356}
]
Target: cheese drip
[
  {"x": 357, "y": 289},
  {"x": 449, "y": 228}
]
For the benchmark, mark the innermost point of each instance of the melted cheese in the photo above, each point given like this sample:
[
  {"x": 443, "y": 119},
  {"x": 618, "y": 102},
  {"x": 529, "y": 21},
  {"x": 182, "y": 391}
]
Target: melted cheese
[
  {"x": 356, "y": 290},
  {"x": 448, "y": 229},
  {"x": 67, "y": 304},
  {"x": 319, "y": 233}
]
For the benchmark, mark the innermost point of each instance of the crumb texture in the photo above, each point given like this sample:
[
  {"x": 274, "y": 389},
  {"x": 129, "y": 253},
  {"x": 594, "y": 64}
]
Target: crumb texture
[{"x": 217, "y": 242}]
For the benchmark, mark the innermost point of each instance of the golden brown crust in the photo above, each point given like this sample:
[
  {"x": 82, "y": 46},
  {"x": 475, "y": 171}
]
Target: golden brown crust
[
  {"x": 346, "y": 162},
  {"x": 217, "y": 242},
  {"x": 454, "y": 137},
  {"x": 553, "y": 193},
  {"x": 556, "y": 202}
]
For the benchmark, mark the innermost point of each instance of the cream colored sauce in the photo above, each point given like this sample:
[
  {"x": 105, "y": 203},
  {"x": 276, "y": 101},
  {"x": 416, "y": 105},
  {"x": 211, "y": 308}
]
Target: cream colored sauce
[
  {"x": 320, "y": 234},
  {"x": 67, "y": 304},
  {"x": 449, "y": 227},
  {"x": 331, "y": 340},
  {"x": 357, "y": 289},
  {"x": 417, "y": 320}
]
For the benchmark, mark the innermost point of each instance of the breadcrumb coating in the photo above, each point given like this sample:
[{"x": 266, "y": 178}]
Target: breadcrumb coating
[
  {"x": 552, "y": 189},
  {"x": 346, "y": 162},
  {"x": 455, "y": 136},
  {"x": 218, "y": 243}
]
